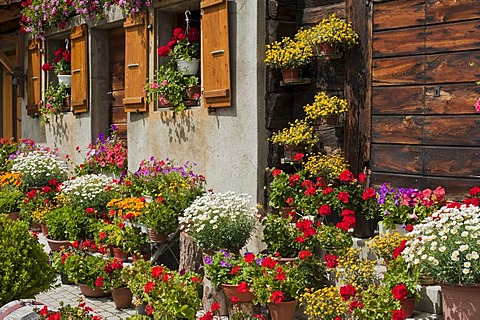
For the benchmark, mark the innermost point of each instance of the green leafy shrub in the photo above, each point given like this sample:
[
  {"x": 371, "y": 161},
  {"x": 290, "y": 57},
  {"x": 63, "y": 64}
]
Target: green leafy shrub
[
  {"x": 24, "y": 269},
  {"x": 10, "y": 200},
  {"x": 67, "y": 223}
]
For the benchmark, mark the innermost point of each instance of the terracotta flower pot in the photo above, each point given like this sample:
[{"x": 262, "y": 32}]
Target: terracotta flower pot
[
  {"x": 14, "y": 216},
  {"x": 155, "y": 236},
  {"x": 122, "y": 297},
  {"x": 461, "y": 302},
  {"x": 408, "y": 305},
  {"x": 120, "y": 254},
  {"x": 291, "y": 75},
  {"x": 290, "y": 152},
  {"x": 282, "y": 311},
  {"x": 44, "y": 229},
  {"x": 231, "y": 290},
  {"x": 57, "y": 245},
  {"x": 92, "y": 293}
]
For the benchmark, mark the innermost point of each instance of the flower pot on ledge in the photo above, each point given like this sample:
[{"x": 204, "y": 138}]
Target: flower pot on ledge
[
  {"x": 291, "y": 75},
  {"x": 65, "y": 79},
  {"x": 188, "y": 68}
]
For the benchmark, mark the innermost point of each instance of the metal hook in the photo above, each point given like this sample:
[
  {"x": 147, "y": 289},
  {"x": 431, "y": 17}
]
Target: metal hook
[
  {"x": 67, "y": 41},
  {"x": 187, "y": 20}
]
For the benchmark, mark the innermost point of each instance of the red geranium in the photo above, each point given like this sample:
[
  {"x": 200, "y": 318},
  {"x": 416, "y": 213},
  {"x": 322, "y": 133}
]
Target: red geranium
[
  {"x": 331, "y": 261},
  {"x": 304, "y": 254},
  {"x": 277, "y": 297},
  {"x": 398, "y": 315},
  {"x": 242, "y": 287},
  {"x": 400, "y": 292},
  {"x": 324, "y": 210},
  {"x": 347, "y": 292}
]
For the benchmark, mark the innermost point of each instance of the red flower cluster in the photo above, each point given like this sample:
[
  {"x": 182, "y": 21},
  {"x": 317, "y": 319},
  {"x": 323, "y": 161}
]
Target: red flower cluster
[
  {"x": 398, "y": 250},
  {"x": 355, "y": 304},
  {"x": 193, "y": 35},
  {"x": 304, "y": 254},
  {"x": 280, "y": 275},
  {"x": 268, "y": 262},
  {"x": 331, "y": 261},
  {"x": 277, "y": 297},
  {"x": 242, "y": 287},
  {"x": 398, "y": 315},
  {"x": 346, "y": 176},
  {"x": 347, "y": 292},
  {"x": 400, "y": 292},
  {"x": 157, "y": 271}
]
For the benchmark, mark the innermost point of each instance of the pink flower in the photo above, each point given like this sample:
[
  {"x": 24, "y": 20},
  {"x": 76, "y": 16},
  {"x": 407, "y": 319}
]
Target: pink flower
[
  {"x": 164, "y": 82},
  {"x": 477, "y": 105},
  {"x": 153, "y": 85}
]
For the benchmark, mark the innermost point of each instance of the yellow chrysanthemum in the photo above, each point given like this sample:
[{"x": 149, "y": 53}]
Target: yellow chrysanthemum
[
  {"x": 324, "y": 106},
  {"x": 299, "y": 133}
]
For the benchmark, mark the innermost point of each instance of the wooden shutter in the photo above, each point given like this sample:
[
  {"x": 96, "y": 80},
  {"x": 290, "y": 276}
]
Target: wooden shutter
[
  {"x": 79, "y": 97},
  {"x": 136, "y": 62},
  {"x": 34, "y": 77},
  {"x": 215, "y": 54}
]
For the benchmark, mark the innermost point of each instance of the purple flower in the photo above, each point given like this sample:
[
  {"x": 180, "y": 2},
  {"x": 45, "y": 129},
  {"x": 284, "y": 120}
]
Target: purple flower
[
  {"x": 226, "y": 254},
  {"x": 208, "y": 260}
]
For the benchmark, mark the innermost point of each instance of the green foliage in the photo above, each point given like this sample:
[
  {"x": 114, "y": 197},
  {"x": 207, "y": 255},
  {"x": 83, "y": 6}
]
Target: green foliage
[
  {"x": 399, "y": 272},
  {"x": 67, "y": 223},
  {"x": 279, "y": 235},
  {"x": 137, "y": 276},
  {"x": 7, "y": 147},
  {"x": 229, "y": 268},
  {"x": 10, "y": 199},
  {"x": 24, "y": 269},
  {"x": 55, "y": 101},
  {"x": 84, "y": 268},
  {"x": 160, "y": 216},
  {"x": 378, "y": 303},
  {"x": 332, "y": 237},
  {"x": 169, "y": 87},
  {"x": 121, "y": 235}
]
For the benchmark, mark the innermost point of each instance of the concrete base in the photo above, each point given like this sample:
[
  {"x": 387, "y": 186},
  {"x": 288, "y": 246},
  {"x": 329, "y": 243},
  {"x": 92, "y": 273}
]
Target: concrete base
[{"x": 431, "y": 300}]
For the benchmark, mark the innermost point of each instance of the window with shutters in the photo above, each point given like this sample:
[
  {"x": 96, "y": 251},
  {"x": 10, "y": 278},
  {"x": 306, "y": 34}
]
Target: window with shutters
[{"x": 210, "y": 17}]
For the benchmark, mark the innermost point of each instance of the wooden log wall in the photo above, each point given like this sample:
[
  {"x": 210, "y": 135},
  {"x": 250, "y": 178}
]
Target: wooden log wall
[{"x": 424, "y": 128}]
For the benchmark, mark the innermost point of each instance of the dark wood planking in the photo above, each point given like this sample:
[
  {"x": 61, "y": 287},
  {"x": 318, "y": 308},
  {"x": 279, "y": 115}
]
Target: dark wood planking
[
  {"x": 453, "y": 99},
  {"x": 397, "y": 180},
  {"x": 397, "y": 129},
  {"x": 398, "y": 100},
  {"x": 397, "y": 14},
  {"x": 452, "y": 161},
  {"x": 450, "y": 37},
  {"x": 405, "y": 100},
  {"x": 398, "y": 71},
  {"x": 438, "y": 11},
  {"x": 452, "y": 67},
  {"x": 315, "y": 15},
  {"x": 399, "y": 42},
  {"x": 397, "y": 158},
  {"x": 452, "y": 130}
]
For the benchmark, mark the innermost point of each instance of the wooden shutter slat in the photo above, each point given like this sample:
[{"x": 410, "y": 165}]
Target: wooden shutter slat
[
  {"x": 34, "y": 77},
  {"x": 136, "y": 62},
  {"x": 215, "y": 54},
  {"x": 78, "y": 37}
]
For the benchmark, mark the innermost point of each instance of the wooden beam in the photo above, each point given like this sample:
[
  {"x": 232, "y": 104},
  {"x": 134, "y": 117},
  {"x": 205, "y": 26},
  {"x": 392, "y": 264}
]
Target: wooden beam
[
  {"x": 6, "y": 62},
  {"x": 358, "y": 89},
  {"x": 317, "y": 14},
  {"x": 10, "y": 13}
]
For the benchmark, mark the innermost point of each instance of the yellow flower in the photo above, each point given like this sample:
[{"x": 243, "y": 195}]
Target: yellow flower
[
  {"x": 324, "y": 106},
  {"x": 326, "y": 166},
  {"x": 298, "y": 133},
  {"x": 324, "y": 304},
  {"x": 332, "y": 30},
  {"x": 383, "y": 245},
  {"x": 288, "y": 54}
]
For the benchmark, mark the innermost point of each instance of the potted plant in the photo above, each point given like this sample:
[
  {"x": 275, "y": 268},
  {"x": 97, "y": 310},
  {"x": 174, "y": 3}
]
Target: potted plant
[
  {"x": 402, "y": 280},
  {"x": 31, "y": 273},
  {"x": 167, "y": 293},
  {"x": 61, "y": 66},
  {"x": 84, "y": 269},
  {"x": 150, "y": 176},
  {"x": 298, "y": 134},
  {"x": 169, "y": 87},
  {"x": 160, "y": 218},
  {"x": 444, "y": 246},
  {"x": 56, "y": 102},
  {"x": 234, "y": 273},
  {"x": 106, "y": 155},
  {"x": 331, "y": 238},
  {"x": 66, "y": 311},
  {"x": 384, "y": 245},
  {"x": 323, "y": 107},
  {"x": 220, "y": 221},
  {"x": 58, "y": 263},
  {"x": 89, "y": 191},
  {"x": 288, "y": 55},
  {"x": 38, "y": 167},
  {"x": 283, "y": 189},
  {"x": 111, "y": 280},
  {"x": 65, "y": 224},
  {"x": 279, "y": 286},
  {"x": 124, "y": 237},
  {"x": 184, "y": 49},
  {"x": 11, "y": 199},
  {"x": 329, "y": 36},
  {"x": 407, "y": 206}
]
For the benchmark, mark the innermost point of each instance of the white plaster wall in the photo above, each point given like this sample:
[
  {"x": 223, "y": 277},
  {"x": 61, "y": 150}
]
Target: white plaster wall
[{"x": 229, "y": 145}]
